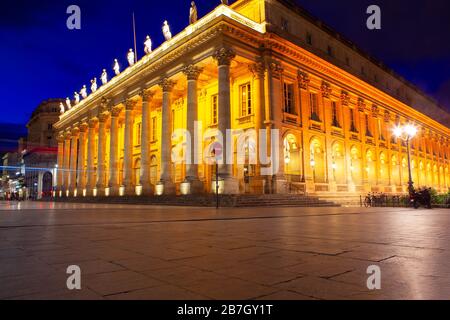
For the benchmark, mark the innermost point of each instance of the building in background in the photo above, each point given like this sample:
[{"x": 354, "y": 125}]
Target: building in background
[
  {"x": 29, "y": 172},
  {"x": 257, "y": 64}
]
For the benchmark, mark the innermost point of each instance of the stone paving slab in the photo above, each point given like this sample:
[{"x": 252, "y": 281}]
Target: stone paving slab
[{"x": 143, "y": 252}]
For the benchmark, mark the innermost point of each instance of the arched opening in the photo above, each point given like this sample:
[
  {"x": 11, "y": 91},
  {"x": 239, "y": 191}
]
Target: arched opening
[
  {"x": 405, "y": 171},
  {"x": 395, "y": 173},
  {"x": 422, "y": 176},
  {"x": 371, "y": 167},
  {"x": 292, "y": 158},
  {"x": 47, "y": 184},
  {"x": 415, "y": 173},
  {"x": 384, "y": 172},
  {"x": 317, "y": 161},
  {"x": 435, "y": 177},
  {"x": 338, "y": 162},
  {"x": 355, "y": 165},
  {"x": 429, "y": 176}
]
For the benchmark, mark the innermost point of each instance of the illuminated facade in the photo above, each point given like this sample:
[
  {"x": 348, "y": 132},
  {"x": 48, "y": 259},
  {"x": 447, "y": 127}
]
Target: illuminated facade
[{"x": 257, "y": 64}]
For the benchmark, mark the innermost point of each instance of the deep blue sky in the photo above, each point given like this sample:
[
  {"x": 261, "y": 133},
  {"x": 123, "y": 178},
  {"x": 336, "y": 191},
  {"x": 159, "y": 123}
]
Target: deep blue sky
[{"x": 40, "y": 58}]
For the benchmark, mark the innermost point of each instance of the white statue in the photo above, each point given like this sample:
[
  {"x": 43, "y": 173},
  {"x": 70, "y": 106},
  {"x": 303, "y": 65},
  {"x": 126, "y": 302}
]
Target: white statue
[
  {"x": 68, "y": 103},
  {"x": 166, "y": 31},
  {"x": 77, "y": 98},
  {"x": 193, "y": 14},
  {"x": 61, "y": 108},
  {"x": 83, "y": 92},
  {"x": 148, "y": 45},
  {"x": 94, "y": 85},
  {"x": 116, "y": 67},
  {"x": 131, "y": 58},
  {"x": 104, "y": 77}
]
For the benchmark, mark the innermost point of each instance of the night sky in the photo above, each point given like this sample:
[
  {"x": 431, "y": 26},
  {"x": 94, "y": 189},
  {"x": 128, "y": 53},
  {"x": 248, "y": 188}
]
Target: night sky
[{"x": 40, "y": 58}]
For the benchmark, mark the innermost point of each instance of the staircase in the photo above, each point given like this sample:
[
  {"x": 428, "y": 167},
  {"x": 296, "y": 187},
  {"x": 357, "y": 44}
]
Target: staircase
[
  {"x": 270, "y": 200},
  {"x": 282, "y": 200}
]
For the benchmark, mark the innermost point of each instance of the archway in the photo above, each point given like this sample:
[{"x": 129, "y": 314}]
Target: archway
[
  {"x": 317, "y": 161},
  {"x": 395, "y": 172},
  {"x": 435, "y": 177},
  {"x": 338, "y": 162},
  {"x": 47, "y": 184},
  {"x": 429, "y": 182},
  {"x": 384, "y": 172},
  {"x": 415, "y": 173},
  {"x": 153, "y": 170},
  {"x": 422, "y": 176},
  {"x": 371, "y": 167},
  {"x": 355, "y": 165},
  {"x": 292, "y": 156}
]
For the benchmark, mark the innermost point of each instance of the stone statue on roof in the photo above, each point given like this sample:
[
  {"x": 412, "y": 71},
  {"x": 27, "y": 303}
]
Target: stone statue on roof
[
  {"x": 104, "y": 77},
  {"x": 61, "y": 108},
  {"x": 166, "y": 31},
  {"x": 193, "y": 14},
  {"x": 68, "y": 103},
  {"x": 116, "y": 67},
  {"x": 131, "y": 57},
  {"x": 148, "y": 45},
  {"x": 94, "y": 85},
  {"x": 76, "y": 96},
  {"x": 83, "y": 92}
]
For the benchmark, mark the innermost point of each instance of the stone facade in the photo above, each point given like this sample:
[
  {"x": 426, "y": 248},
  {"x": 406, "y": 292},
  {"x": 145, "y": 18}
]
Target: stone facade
[{"x": 246, "y": 67}]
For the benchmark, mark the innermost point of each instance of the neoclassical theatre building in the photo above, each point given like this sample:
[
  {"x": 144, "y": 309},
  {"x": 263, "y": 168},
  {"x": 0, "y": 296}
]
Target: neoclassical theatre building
[{"x": 252, "y": 65}]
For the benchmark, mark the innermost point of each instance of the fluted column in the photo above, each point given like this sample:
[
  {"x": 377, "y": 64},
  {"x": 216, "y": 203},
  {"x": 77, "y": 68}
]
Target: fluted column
[
  {"x": 91, "y": 156},
  {"x": 73, "y": 160},
  {"x": 81, "y": 184},
  {"x": 147, "y": 187},
  {"x": 166, "y": 137},
  {"x": 60, "y": 172},
  {"x": 66, "y": 166},
  {"x": 101, "y": 166},
  {"x": 114, "y": 152},
  {"x": 224, "y": 56},
  {"x": 128, "y": 152},
  {"x": 192, "y": 73}
]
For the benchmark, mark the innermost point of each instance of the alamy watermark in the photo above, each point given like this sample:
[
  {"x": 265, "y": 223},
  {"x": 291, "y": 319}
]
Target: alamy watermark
[
  {"x": 74, "y": 20},
  {"x": 74, "y": 280},
  {"x": 374, "y": 280},
  {"x": 374, "y": 20}
]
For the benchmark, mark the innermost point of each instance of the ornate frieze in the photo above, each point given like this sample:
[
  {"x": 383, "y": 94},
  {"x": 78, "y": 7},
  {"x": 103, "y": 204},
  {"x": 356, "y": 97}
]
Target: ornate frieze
[
  {"x": 361, "y": 105},
  {"x": 387, "y": 117}
]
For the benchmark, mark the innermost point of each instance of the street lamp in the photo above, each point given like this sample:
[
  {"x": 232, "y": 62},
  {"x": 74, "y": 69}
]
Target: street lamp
[{"x": 406, "y": 133}]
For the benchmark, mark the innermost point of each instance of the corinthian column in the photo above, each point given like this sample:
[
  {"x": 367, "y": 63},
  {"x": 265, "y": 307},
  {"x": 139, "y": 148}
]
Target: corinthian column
[
  {"x": 66, "y": 166},
  {"x": 128, "y": 152},
  {"x": 60, "y": 172},
  {"x": 147, "y": 188},
  {"x": 114, "y": 152},
  {"x": 73, "y": 160},
  {"x": 81, "y": 185},
  {"x": 101, "y": 167},
  {"x": 192, "y": 73},
  {"x": 90, "y": 154},
  {"x": 224, "y": 56},
  {"x": 166, "y": 139}
]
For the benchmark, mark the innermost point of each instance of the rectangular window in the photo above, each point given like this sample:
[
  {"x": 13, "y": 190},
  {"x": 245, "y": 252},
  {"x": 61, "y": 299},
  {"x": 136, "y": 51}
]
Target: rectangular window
[
  {"x": 288, "y": 93},
  {"x": 368, "y": 131},
  {"x": 246, "y": 99},
  {"x": 330, "y": 51},
  {"x": 381, "y": 130},
  {"x": 309, "y": 39},
  {"x": 335, "y": 115},
  {"x": 214, "y": 109},
  {"x": 154, "y": 129},
  {"x": 314, "y": 104}
]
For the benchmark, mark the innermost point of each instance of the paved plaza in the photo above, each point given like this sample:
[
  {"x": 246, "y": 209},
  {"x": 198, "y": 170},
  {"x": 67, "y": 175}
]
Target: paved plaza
[{"x": 143, "y": 252}]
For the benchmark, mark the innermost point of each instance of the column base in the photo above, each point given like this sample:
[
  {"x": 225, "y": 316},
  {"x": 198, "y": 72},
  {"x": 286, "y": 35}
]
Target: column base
[
  {"x": 230, "y": 185},
  {"x": 192, "y": 185},
  {"x": 147, "y": 189},
  {"x": 129, "y": 190},
  {"x": 114, "y": 191},
  {"x": 280, "y": 185},
  {"x": 257, "y": 185},
  {"x": 310, "y": 186},
  {"x": 333, "y": 186},
  {"x": 351, "y": 187},
  {"x": 165, "y": 188}
]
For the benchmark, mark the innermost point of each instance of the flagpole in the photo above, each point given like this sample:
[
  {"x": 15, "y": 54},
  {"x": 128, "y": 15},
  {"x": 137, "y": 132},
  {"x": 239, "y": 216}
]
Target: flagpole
[{"x": 134, "y": 35}]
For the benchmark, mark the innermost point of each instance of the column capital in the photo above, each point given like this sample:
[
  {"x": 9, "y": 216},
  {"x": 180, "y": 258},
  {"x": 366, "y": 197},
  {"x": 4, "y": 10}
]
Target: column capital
[
  {"x": 224, "y": 56},
  {"x": 130, "y": 105},
  {"x": 345, "y": 98},
  {"x": 103, "y": 117},
  {"x": 192, "y": 72},
  {"x": 60, "y": 137},
  {"x": 68, "y": 135},
  {"x": 303, "y": 80},
  {"x": 83, "y": 127},
  {"x": 258, "y": 69},
  {"x": 115, "y": 111},
  {"x": 75, "y": 132},
  {"x": 146, "y": 95},
  {"x": 166, "y": 84},
  {"x": 104, "y": 104},
  {"x": 361, "y": 105},
  {"x": 325, "y": 89},
  {"x": 93, "y": 123}
]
